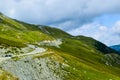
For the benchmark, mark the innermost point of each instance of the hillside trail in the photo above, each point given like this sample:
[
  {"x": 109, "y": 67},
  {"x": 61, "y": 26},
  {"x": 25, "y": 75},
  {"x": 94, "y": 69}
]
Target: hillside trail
[{"x": 35, "y": 51}]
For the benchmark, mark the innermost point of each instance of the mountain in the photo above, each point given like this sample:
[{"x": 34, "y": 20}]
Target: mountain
[
  {"x": 37, "y": 52},
  {"x": 116, "y": 47}
]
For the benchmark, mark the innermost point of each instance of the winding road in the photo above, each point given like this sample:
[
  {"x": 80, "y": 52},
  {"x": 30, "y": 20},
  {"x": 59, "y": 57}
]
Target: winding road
[{"x": 37, "y": 50}]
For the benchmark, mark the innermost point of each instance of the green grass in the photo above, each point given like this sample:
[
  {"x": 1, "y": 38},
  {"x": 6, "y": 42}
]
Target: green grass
[
  {"x": 83, "y": 54},
  {"x": 83, "y": 57},
  {"x": 56, "y": 33},
  {"x": 14, "y": 33},
  {"x": 80, "y": 69},
  {"x": 6, "y": 76}
]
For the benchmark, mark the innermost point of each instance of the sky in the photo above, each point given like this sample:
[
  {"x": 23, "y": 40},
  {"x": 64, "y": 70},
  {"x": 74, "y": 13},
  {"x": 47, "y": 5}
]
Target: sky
[{"x": 99, "y": 19}]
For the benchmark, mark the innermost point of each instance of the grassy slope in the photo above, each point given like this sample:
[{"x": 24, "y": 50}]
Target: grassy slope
[
  {"x": 82, "y": 53},
  {"x": 85, "y": 62},
  {"x": 6, "y": 76},
  {"x": 18, "y": 34}
]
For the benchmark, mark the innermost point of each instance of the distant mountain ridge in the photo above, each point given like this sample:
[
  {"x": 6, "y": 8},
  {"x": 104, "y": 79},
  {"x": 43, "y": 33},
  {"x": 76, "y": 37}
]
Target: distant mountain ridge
[
  {"x": 37, "y": 52},
  {"x": 116, "y": 47}
]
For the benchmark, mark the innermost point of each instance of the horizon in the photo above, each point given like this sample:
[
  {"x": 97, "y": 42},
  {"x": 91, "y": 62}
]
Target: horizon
[{"x": 76, "y": 17}]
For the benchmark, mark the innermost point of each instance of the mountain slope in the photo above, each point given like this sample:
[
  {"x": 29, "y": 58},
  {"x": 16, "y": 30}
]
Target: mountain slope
[
  {"x": 35, "y": 52},
  {"x": 116, "y": 47}
]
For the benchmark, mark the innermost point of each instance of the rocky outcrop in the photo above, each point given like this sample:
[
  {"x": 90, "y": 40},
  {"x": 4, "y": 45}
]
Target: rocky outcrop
[{"x": 35, "y": 68}]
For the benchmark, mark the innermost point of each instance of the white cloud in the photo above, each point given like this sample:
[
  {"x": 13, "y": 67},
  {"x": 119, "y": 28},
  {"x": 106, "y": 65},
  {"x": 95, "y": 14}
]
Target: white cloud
[
  {"x": 50, "y": 12},
  {"x": 105, "y": 34},
  {"x": 103, "y": 28},
  {"x": 77, "y": 16},
  {"x": 116, "y": 27},
  {"x": 12, "y": 12}
]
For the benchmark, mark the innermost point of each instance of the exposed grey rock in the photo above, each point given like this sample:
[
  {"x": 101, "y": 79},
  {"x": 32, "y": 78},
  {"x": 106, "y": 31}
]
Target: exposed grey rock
[{"x": 30, "y": 68}]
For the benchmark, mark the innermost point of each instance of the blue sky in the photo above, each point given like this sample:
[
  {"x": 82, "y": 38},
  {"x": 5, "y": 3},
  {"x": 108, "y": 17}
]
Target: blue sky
[{"x": 99, "y": 19}]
